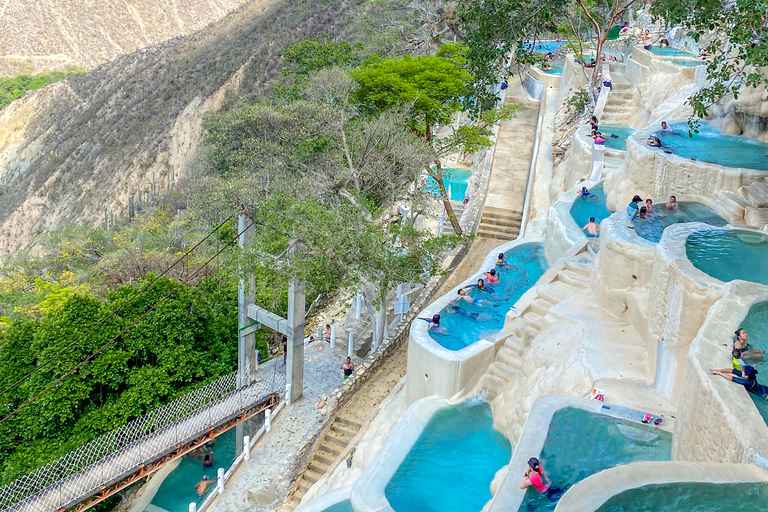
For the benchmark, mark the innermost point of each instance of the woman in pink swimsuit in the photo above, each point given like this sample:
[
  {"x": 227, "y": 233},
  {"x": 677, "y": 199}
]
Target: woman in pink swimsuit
[{"x": 535, "y": 477}]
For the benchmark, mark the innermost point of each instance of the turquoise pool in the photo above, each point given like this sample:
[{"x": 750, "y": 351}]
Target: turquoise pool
[
  {"x": 672, "y": 52},
  {"x": 470, "y": 323},
  {"x": 451, "y": 466},
  {"x": 544, "y": 46},
  {"x": 730, "y": 254},
  {"x": 342, "y": 506},
  {"x": 712, "y": 145},
  {"x": 457, "y": 178},
  {"x": 756, "y": 324},
  {"x": 580, "y": 444},
  {"x": 555, "y": 69},
  {"x": 616, "y": 136},
  {"x": 652, "y": 227},
  {"x": 585, "y": 207},
  {"x": 178, "y": 489},
  {"x": 691, "y": 497}
]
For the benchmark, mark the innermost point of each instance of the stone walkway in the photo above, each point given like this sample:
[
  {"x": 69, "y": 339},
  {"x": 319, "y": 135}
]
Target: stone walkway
[{"x": 258, "y": 482}]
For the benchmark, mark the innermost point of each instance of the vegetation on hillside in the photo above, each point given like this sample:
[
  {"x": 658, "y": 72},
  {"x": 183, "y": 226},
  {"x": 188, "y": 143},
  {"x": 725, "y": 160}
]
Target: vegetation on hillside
[{"x": 18, "y": 86}]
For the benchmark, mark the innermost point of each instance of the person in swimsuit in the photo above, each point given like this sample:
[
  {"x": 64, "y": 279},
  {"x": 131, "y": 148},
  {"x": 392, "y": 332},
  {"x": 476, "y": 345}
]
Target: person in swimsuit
[
  {"x": 666, "y": 128},
  {"x": 672, "y": 204},
  {"x": 632, "y": 210},
  {"x": 208, "y": 460},
  {"x": 471, "y": 300},
  {"x": 748, "y": 379},
  {"x": 647, "y": 40},
  {"x": 648, "y": 205},
  {"x": 536, "y": 477},
  {"x": 202, "y": 485},
  {"x": 327, "y": 332},
  {"x": 591, "y": 227},
  {"x": 500, "y": 261},
  {"x": 347, "y": 367},
  {"x": 454, "y": 309},
  {"x": 593, "y": 122},
  {"x": 492, "y": 276},
  {"x": 747, "y": 352},
  {"x": 434, "y": 324},
  {"x": 643, "y": 212},
  {"x": 653, "y": 141}
]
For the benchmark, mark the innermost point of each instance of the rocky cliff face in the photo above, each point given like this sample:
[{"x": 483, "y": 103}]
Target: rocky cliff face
[
  {"x": 46, "y": 34},
  {"x": 72, "y": 150}
]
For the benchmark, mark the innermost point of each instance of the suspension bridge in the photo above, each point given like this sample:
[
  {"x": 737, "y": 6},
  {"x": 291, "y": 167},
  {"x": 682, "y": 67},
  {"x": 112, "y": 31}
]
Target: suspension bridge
[{"x": 112, "y": 462}]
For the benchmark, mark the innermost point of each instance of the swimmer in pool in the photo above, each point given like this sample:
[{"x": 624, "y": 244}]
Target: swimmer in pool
[
  {"x": 471, "y": 300},
  {"x": 672, "y": 204},
  {"x": 536, "y": 477},
  {"x": 649, "y": 205},
  {"x": 747, "y": 351},
  {"x": 643, "y": 212},
  {"x": 591, "y": 227},
  {"x": 434, "y": 324},
  {"x": 492, "y": 276},
  {"x": 666, "y": 128},
  {"x": 653, "y": 141}
]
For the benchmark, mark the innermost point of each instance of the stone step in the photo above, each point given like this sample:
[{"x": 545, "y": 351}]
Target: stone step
[
  {"x": 507, "y": 223},
  {"x": 556, "y": 291},
  {"x": 312, "y": 476},
  {"x": 512, "y": 343},
  {"x": 501, "y": 370},
  {"x": 492, "y": 384},
  {"x": 581, "y": 266},
  {"x": 318, "y": 466},
  {"x": 510, "y": 234},
  {"x": 501, "y": 213},
  {"x": 336, "y": 439},
  {"x": 325, "y": 458},
  {"x": 541, "y": 306},
  {"x": 509, "y": 358},
  {"x": 572, "y": 278},
  {"x": 352, "y": 424},
  {"x": 303, "y": 486},
  {"x": 343, "y": 430},
  {"x": 532, "y": 320},
  {"x": 330, "y": 450}
]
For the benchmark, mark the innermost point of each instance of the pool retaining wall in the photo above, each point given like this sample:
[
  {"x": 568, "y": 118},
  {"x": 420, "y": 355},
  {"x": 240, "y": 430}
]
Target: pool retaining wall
[
  {"x": 718, "y": 420},
  {"x": 592, "y": 492},
  {"x": 663, "y": 174},
  {"x": 562, "y": 232},
  {"x": 328, "y": 499}
]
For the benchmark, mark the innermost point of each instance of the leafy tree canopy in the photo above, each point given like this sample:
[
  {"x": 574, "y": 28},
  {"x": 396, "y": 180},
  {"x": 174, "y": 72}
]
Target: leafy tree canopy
[{"x": 733, "y": 34}]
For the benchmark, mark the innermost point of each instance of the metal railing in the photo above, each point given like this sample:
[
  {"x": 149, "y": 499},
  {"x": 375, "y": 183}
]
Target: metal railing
[{"x": 117, "y": 455}]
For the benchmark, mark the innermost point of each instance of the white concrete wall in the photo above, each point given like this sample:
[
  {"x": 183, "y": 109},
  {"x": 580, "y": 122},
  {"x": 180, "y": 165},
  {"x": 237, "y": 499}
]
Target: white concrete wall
[
  {"x": 717, "y": 420},
  {"x": 592, "y": 492},
  {"x": 662, "y": 174},
  {"x": 562, "y": 231}
]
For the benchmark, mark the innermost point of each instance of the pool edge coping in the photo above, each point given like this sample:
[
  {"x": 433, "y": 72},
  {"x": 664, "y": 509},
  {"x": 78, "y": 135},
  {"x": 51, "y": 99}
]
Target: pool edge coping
[{"x": 594, "y": 491}]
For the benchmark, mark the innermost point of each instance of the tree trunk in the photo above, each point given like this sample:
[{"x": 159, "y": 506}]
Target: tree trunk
[{"x": 437, "y": 175}]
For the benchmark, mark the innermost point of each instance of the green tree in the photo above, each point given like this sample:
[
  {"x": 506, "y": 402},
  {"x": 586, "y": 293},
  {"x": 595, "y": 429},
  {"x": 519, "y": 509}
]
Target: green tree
[
  {"x": 432, "y": 88},
  {"x": 496, "y": 29},
  {"x": 733, "y": 34}
]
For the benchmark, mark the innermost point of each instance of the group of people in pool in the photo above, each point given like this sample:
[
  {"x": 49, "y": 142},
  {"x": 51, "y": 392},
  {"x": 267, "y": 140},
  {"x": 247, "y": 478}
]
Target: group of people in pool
[
  {"x": 634, "y": 210},
  {"x": 485, "y": 285},
  {"x": 740, "y": 372}
]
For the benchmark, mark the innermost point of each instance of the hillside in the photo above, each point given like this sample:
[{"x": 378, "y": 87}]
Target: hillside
[
  {"x": 48, "y": 34},
  {"x": 73, "y": 149}
]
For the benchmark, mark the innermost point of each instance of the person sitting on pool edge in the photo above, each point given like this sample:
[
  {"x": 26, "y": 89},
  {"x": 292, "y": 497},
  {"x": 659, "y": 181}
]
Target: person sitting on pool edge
[
  {"x": 592, "y": 227},
  {"x": 632, "y": 210},
  {"x": 672, "y": 204},
  {"x": 748, "y": 379}
]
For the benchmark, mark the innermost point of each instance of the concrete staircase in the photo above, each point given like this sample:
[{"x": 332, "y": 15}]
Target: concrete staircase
[
  {"x": 500, "y": 223},
  {"x": 336, "y": 439},
  {"x": 573, "y": 277},
  {"x": 619, "y": 107},
  {"x": 458, "y": 210}
]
